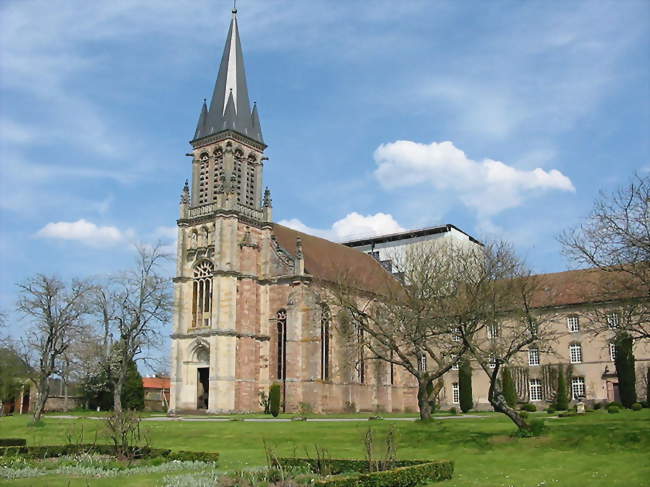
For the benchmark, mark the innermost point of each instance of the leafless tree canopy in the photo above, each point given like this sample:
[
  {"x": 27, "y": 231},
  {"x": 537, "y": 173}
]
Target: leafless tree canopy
[
  {"x": 132, "y": 307},
  {"x": 615, "y": 238},
  {"x": 56, "y": 312}
]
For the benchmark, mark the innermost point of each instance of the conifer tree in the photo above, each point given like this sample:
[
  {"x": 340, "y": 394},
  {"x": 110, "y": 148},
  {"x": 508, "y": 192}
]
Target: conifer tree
[
  {"x": 274, "y": 399},
  {"x": 509, "y": 393},
  {"x": 465, "y": 386},
  {"x": 624, "y": 361},
  {"x": 133, "y": 392},
  {"x": 561, "y": 396}
]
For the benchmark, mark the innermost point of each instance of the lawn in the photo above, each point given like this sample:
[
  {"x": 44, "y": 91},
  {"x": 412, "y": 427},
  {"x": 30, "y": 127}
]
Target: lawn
[{"x": 598, "y": 449}]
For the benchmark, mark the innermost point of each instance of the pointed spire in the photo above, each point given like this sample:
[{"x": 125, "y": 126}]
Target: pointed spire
[
  {"x": 202, "y": 125},
  {"x": 256, "y": 129},
  {"x": 267, "y": 202},
  {"x": 229, "y": 115},
  {"x": 185, "y": 194},
  {"x": 231, "y": 81}
]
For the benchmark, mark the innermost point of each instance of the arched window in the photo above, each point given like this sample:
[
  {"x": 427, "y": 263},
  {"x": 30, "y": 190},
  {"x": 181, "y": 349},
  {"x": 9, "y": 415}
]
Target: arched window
[
  {"x": 282, "y": 344},
  {"x": 325, "y": 320},
  {"x": 202, "y": 294}
]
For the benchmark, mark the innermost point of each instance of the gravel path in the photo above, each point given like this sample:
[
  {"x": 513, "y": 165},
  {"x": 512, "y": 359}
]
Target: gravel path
[{"x": 269, "y": 420}]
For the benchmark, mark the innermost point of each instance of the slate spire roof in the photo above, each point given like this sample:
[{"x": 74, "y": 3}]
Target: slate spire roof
[{"x": 230, "y": 107}]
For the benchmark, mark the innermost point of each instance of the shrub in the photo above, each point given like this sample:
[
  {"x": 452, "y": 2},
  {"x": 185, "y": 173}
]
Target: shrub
[
  {"x": 351, "y": 407},
  {"x": 509, "y": 393},
  {"x": 550, "y": 410},
  {"x": 529, "y": 407},
  {"x": 644, "y": 404},
  {"x": 561, "y": 395},
  {"x": 13, "y": 442},
  {"x": 537, "y": 428},
  {"x": 274, "y": 399},
  {"x": 305, "y": 408},
  {"x": 613, "y": 409},
  {"x": 567, "y": 414},
  {"x": 637, "y": 406},
  {"x": 405, "y": 473},
  {"x": 617, "y": 404},
  {"x": 453, "y": 411},
  {"x": 524, "y": 414},
  {"x": 465, "y": 386},
  {"x": 598, "y": 405}
]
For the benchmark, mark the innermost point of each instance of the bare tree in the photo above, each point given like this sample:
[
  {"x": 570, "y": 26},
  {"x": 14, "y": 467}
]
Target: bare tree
[
  {"x": 141, "y": 303},
  {"x": 410, "y": 323},
  {"x": 505, "y": 321},
  {"x": 56, "y": 311},
  {"x": 615, "y": 239}
]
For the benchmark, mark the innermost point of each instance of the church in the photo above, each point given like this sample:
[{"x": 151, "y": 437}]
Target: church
[
  {"x": 248, "y": 292},
  {"x": 251, "y": 295}
]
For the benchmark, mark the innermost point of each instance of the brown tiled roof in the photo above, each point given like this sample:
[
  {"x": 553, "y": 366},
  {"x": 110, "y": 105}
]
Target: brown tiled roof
[
  {"x": 584, "y": 286},
  {"x": 156, "y": 382},
  {"x": 331, "y": 262}
]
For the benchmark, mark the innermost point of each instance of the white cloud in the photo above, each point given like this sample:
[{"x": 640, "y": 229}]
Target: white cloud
[
  {"x": 487, "y": 186},
  {"x": 353, "y": 225},
  {"x": 85, "y": 232}
]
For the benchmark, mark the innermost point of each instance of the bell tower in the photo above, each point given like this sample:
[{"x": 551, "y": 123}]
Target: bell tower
[
  {"x": 228, "y": 147},
  {"x": 223, "y": 227}
]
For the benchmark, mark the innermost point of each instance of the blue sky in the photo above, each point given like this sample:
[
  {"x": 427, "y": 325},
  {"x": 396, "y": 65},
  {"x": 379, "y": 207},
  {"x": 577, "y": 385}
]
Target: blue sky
[{"x": 504, "y": 118}]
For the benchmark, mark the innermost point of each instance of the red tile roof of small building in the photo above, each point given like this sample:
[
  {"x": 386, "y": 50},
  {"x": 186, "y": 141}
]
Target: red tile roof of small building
[{"x": 156, "y": 382}]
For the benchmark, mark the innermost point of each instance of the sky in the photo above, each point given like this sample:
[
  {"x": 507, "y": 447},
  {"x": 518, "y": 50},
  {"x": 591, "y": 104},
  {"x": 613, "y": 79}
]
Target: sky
[{"x": 504, "y": 118}]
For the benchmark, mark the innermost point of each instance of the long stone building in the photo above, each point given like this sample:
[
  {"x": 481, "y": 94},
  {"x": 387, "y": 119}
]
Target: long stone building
[{"x": 250, "y": 294}]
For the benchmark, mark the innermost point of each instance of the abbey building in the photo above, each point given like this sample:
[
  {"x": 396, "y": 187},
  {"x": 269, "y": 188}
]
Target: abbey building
[{"x": 251, "y": 295}]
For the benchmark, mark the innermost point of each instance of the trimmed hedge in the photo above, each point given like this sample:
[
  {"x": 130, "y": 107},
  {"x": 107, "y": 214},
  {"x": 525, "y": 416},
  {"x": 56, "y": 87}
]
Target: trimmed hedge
[
  {"x": 406, "y": 473},
  {"x": 36, "y": 452},
  {"x": 13, "y": 442}
]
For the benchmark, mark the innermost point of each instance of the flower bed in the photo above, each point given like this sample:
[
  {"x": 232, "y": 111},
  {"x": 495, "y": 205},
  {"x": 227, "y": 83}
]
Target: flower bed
[{"x": 53, "y": 451}]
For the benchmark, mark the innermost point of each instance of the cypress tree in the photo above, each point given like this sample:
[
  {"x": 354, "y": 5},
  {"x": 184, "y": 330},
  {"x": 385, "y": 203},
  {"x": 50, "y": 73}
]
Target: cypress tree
[
  {"x": 274, "y": 399},
  {"x": 465, "y": 386},
  {"x": 561, "y": 396},
  {"x": 509, "y": 393},
  {"x": 624, "y": 361},
  {"x": 133, "y": 391}
]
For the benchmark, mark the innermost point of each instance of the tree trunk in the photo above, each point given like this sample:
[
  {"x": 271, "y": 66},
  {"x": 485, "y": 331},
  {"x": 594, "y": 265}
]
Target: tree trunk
[
  {"x": 43, "y": 394},
  {"x": 65, "y": 396},
  {"x": 500, "y": 405},
  {"x": 117, "y": 393},
  {"x": 423, "y": 399}
]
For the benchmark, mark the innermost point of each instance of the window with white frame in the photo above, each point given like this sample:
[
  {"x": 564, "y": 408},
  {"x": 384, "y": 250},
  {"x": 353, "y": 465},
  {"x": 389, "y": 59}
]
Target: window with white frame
[
  {"x": 535, "y": 389},
  {"x": 422, "y": 363},
  {"x": 578, "y": 387},
  {"x": 493, "y": 330},
  {"x": 613, "y": 320},
  {"x": 612, "y": 351},
  {"x": 573, "y": 323},
  {"x": 493, "y": 361},
  {"x": 455, "y": 396},
  {"x": 575, "y": 353},
  {"x": 533, "y": 356},
  {"x": 455, "y": 334}
]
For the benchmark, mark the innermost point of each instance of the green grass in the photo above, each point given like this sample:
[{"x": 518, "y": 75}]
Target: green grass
[{"x": 598, "y": 449}]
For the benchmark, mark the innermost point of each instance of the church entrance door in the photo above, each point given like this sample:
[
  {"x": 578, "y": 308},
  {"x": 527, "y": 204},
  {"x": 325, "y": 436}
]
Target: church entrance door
[{"x": 202, "y": 387}]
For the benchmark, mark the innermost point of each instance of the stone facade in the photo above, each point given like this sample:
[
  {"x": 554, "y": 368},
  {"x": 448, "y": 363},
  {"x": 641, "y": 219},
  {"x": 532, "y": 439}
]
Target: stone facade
[{"x": 251, "y": 295}]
